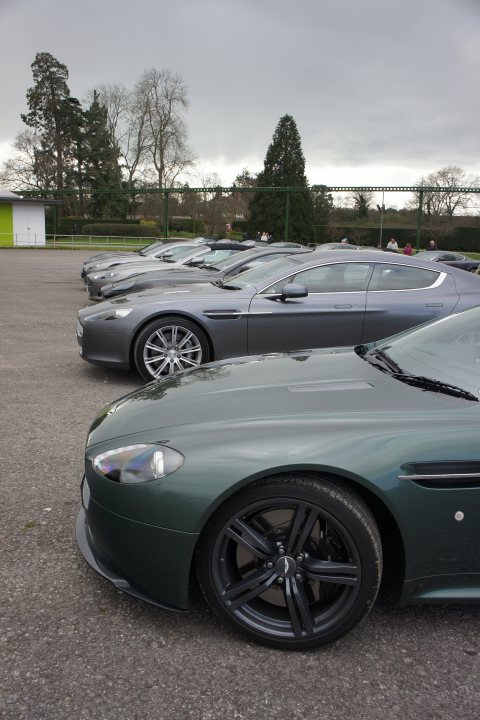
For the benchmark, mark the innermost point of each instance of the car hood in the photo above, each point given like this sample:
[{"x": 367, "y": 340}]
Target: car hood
[
  {"x": 151, "y": 296},
  {"x": 178, "y": 273},
  {"x": 127, "y": 269},
  {"x": 287, "y": 388}
]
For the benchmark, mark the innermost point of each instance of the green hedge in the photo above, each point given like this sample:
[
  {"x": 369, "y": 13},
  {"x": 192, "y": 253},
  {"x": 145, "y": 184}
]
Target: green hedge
[
  {"x": 463, "y": 239},
  {"x": 239, "y": 226},
  {"x": 120, "y": 230},
  {"x": 186, "y": 225},
  {"x": 75, "y": 226}
]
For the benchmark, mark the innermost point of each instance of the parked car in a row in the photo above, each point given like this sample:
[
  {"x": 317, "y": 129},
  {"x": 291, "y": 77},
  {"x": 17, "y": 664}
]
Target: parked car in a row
[
  {"x": 298, "y": 301},
  {"x": 453, "y": 259},
  {"x": 201, "y": 270},
  {"x": 104, "y": 260},
  {"x": 291, "y": 485},
  {"x": 181, "y": 256}
]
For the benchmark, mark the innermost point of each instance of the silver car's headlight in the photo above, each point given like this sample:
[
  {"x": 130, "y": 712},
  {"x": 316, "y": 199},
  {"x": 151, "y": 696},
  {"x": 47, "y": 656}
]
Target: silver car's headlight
[
  {"x": 111, "y": 314},
  {"x": 104, "y": 275},
  {"x": 140, "y": 463}
]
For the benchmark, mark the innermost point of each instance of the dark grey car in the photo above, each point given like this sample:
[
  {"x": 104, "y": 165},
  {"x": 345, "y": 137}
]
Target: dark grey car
[
  {"x": 208, "y": 271},
  {"x": 298, "y": 301},
  {"x": 453, "y": 259}
]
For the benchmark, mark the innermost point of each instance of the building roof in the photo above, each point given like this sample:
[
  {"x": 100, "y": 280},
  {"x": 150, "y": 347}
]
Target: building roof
[{"x": 8, "y": 197}]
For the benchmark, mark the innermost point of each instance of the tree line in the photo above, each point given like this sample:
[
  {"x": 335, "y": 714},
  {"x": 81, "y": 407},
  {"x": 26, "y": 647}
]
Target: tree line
[
  {"x": 98, "y": 158},
  {"x": 123, "y": 140}
]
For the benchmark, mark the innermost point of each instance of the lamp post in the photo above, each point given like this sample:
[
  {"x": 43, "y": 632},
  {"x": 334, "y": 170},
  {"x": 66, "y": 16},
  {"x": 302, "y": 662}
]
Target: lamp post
[{"x": 381, "y": 210}]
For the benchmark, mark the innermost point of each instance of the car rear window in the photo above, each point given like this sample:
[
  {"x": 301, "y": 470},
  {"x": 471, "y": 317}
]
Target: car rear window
[{"x": 401, "y": 277}]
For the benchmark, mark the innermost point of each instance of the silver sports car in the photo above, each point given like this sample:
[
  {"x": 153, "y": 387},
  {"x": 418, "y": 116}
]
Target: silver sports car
[
  {"x": 178, "y": 257},
  {"x": 299, "y": 301},
  {"x": 209, "y": 269}
]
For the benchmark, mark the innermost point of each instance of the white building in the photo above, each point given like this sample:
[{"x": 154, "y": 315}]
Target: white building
[{"x": 22, "y": 220}]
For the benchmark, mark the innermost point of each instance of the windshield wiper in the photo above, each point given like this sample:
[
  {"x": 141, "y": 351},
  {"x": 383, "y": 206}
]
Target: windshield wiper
[
  {"x": 434, "y": 385},
  {"x": 386, "y": 362}
]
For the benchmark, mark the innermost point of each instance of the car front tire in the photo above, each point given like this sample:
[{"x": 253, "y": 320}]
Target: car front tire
[
  {"x": 167, "y": 345},
  {"x": 293, "y": 562}
]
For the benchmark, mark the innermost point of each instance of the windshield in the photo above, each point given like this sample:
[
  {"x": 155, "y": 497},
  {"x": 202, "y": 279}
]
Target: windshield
[
  {"x": 447, "y": 351},
  {"x": 263, "y": 273},
  {"x": 428, "y": 254},
  {"x": 214, "y": 257},
  {"x": 180, "y": 253},
  {"x": 149, "y": 249},
  {"x": 228, "y": 262}
]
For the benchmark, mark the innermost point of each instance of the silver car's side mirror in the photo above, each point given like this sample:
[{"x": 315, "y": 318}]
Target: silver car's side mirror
[{"x": 291, "y": 291}]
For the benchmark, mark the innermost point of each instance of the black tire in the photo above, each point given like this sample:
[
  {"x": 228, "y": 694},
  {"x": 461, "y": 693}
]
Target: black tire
[
  {"x": 169, "y": 344},
  {"x": 293, "y": 562}
]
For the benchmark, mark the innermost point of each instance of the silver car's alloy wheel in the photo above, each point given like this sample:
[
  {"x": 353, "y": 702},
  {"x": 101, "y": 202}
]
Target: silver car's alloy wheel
[
  {"x": 168, "y": 345},
  {"x": 292, "y": 562}
]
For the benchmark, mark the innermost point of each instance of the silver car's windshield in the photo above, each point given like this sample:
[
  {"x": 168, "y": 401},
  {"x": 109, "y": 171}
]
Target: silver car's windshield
[
  {"x": 180, "y": 253},
  {"x": 150, "y": 249},
  {"x": 447, "y": 351},
  {"x": 225, "y": 263},
  {"x": 262, "y": 273}
]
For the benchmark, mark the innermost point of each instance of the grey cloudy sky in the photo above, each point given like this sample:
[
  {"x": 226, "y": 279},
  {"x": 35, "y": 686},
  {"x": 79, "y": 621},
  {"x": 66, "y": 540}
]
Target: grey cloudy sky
[{"x": 382, "y": 91}]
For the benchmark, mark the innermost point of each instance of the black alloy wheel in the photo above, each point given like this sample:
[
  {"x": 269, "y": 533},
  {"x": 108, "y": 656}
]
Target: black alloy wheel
[
  {"x": 293, "y": 562},
  {"x": 167, "y": 345}
]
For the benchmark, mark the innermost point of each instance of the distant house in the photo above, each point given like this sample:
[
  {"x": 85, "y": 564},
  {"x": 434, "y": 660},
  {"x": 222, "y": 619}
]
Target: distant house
[{"x": 22, "y": 220}]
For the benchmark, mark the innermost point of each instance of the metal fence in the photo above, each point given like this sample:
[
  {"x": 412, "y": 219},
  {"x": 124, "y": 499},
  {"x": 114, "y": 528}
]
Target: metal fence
[{"x": 77, "y": 242}]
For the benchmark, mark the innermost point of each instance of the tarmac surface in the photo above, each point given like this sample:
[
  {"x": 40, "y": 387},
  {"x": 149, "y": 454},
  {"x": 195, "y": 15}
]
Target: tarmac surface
[{"x": 72, "y": 647}]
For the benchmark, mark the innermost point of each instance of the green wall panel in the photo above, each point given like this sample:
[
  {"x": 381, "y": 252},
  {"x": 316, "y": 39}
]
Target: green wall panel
[{"x": 6, "y": 224}]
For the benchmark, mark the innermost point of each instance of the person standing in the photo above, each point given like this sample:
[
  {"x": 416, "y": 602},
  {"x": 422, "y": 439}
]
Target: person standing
[
  {"x": 408, "y": 250},
  {"x": 392, "y": 245}
]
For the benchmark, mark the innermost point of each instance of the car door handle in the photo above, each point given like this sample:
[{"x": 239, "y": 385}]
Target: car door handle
[
  {"x": 434, "y": 305},
  {"x": 342, "y": 307}
]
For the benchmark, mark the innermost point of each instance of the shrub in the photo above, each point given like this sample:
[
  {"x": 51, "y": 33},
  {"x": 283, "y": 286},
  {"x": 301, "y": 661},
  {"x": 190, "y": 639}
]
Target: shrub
[
  {"x": 239, "y": 226},
  {"x": 120, "y": 230},
  {"x": 75, "y": 225},
  {"x": 187, "y": 225}
]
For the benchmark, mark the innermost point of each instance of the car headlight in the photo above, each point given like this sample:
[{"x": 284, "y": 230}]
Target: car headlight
[
  {"x": 135, "y": 464},
  {"x": 112, "y": 314},
  {"x": 104, "y": 275}
]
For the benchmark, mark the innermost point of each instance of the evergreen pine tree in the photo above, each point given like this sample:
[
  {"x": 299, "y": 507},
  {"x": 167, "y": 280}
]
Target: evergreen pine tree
[
  {"x": 102, "y": 172},
  {"x": 49, "y": 113},
  {"x": 284, "y": 166}
]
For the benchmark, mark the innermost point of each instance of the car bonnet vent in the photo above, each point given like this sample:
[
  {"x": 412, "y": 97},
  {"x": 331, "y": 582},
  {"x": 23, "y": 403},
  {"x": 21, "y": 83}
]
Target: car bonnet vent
[{"x": 452, "y": 473}]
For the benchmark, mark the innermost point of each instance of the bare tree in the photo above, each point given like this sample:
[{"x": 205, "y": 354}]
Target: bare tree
[
  {"x": 30, "y": 167},
  {"x": 127, "y": 127},
  {"x": 208, "y": 202},
  {"x": 454, "y": 196},
  {"x": 148, "y": 129},
  {"x": 161, "y": 98}
]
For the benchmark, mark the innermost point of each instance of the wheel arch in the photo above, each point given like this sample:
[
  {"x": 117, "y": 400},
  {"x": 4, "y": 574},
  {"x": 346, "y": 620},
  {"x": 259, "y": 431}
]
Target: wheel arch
[
  {"x": 170, "y": 313},
  {"x": 391, "y": 537}
]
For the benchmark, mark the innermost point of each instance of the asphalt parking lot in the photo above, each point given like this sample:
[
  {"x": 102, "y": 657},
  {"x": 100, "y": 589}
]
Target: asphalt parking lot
[{"x": 71, "y": 646}]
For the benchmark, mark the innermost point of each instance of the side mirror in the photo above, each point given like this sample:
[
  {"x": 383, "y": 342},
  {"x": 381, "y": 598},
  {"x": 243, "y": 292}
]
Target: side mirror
[
  {"x": 292, "y": 291},
  {"x": 197, "y": 262}
]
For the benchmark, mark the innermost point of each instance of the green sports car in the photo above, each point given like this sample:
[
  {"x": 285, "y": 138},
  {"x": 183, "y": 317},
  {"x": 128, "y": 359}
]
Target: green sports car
[{"x": 291, "y": 485}]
